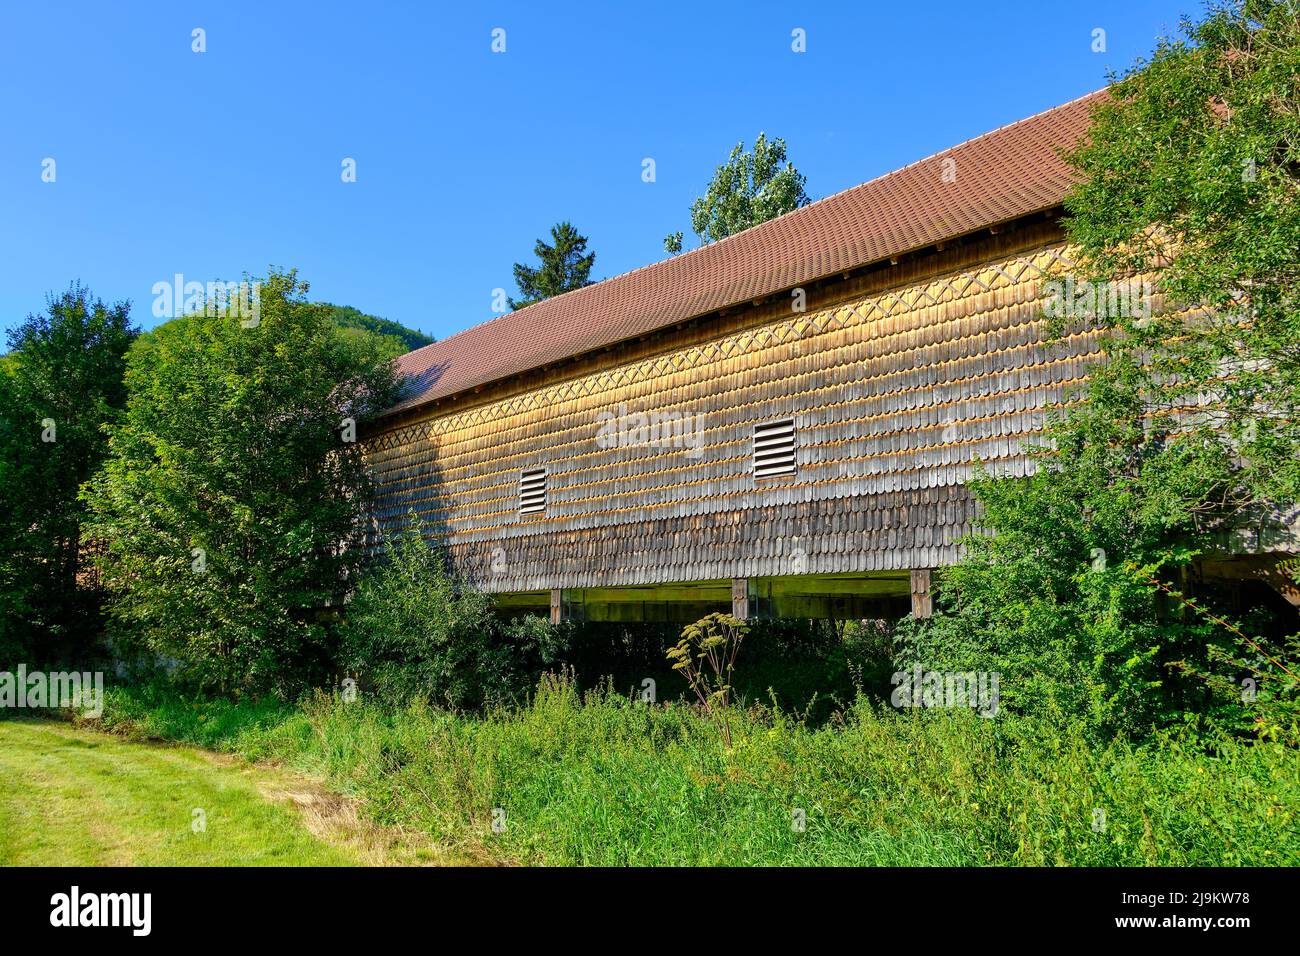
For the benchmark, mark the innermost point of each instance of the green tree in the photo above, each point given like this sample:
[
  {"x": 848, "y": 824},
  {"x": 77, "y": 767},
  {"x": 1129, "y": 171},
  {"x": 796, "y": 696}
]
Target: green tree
[
  {"x": 1192, "y": 172},
  {"x": 388, "y": 339},
  {"x": 749, "y": 188},
  {"x": 347, "y": 317},
  {"x": 565, "y": 266},
  {"x": 1056, "y": 593},
  {"x": 60, "y": 384},
  {"x": 1074, "y": 589},
  {"x": 232, "y": 503}
]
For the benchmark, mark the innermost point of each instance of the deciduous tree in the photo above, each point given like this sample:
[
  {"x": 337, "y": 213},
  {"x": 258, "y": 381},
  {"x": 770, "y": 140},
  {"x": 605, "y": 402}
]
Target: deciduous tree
[
  {"x": 1188, "y": 425},
  {"x": 749, "y": 188},
  {"x": 60, "y": 384},
  {"x": 232, "y": 500},
  {"x": 1192, "y": 171}
]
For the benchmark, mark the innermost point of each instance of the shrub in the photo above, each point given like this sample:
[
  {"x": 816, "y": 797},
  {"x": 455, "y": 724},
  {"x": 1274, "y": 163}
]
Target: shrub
[{"x": 415, "y": 630}]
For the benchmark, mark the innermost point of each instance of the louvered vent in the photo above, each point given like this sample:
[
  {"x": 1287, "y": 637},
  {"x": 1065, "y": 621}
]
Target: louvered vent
[
  {"x": 532, "y": 491},
  {"x": 774, "y": 449}
]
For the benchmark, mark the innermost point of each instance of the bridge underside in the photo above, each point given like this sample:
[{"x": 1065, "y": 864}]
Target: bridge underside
[
  {"x": 847, "y": 596},
  {"x": 883, "y": 594}
]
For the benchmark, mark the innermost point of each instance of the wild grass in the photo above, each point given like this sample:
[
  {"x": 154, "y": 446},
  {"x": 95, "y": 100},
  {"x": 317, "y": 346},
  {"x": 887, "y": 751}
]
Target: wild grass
[{"x": 594, "y": 778}]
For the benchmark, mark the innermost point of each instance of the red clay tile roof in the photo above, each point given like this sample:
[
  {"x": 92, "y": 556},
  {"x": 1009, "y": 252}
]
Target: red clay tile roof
[{"x": 1004, "y": 174}]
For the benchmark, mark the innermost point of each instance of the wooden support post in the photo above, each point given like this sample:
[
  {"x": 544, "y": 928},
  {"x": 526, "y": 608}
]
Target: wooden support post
[
  {"x": 557, "y": 606},
  {"x": 740, "y": 598},
  {"x": 922, "y": 605}
]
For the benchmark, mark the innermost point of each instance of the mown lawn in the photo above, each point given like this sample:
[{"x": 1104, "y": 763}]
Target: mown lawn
[{"x": 72, "y": 797}]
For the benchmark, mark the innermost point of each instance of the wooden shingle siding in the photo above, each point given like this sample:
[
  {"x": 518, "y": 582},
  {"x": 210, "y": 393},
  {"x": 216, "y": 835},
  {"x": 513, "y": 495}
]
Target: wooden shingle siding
[
  {"x": 896, "y": 383},
  {"x": 889, "y": 532}
]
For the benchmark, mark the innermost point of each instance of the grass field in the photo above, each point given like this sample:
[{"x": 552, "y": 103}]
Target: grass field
[
  {"x": 576, "y": 778},
  {"x": 77, "y": 797}
]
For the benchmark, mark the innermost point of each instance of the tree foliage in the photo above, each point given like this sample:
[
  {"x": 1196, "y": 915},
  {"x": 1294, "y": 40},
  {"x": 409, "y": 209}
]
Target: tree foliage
[
  {"x": 1055, "y": 594},
  {"x": 1192, "y": 172},
  {"x": 60, "y": 384},
  {"x": 748, "y": 189},
  {"x": 231, "y": 502},
  {"x": 347, "y": 317},
  {"x": 565, "y": 266},
  {"x": 1074, "y": 590}
]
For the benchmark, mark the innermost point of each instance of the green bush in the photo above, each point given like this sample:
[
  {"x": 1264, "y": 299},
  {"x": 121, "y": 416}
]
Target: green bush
[{"x": 414, "y": 630}]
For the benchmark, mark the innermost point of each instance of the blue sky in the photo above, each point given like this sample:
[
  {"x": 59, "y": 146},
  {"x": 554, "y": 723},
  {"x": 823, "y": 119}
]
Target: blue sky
[{"x": 218, "y": 163}]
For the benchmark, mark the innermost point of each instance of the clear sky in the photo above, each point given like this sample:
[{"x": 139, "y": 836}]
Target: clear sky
[{"x": 223, "y": 162}]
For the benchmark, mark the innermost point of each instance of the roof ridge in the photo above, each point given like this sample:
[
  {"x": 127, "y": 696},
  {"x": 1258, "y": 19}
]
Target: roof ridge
[
  {"x": 718, "y": 242},
  {"x": 1020, "y": 173}
]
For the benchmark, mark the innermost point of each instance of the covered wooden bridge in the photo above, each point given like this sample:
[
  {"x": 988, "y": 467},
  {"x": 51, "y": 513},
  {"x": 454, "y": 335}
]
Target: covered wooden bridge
[{"x": 780, "y": 423}]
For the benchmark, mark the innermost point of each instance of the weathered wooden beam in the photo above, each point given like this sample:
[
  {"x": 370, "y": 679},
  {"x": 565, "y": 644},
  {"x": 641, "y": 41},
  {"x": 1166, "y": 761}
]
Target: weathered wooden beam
[
  {"x": 1284, "y": 585},
  {"x": 740, "y": 598},
  {"x": 657, "y": 593},
  {"x": 678, "y": 612},
  {"x": 522, "y": 598},
  {"x": 839, "y": 597},
  {"x": 922, "y": 604},
  {"x": 813, "y": 585},
  {"x": 823, "y": 607}
]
